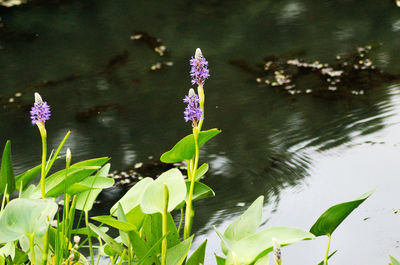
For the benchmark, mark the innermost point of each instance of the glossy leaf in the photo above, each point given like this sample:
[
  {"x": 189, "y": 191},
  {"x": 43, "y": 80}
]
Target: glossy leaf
[
  {"x": 201, "y": 171},
  {"x": 394, "y": 261},
  {"x": 334, "y": 216},
  {"x": 133, "y": 197},
  {"x": 176, "y": 255},
  {"x": 153, "y": 197},
  {"x": 26, "y": 216},
  {"x": 200, "y": 191},
  {"x": 6, "y": 171},
  {"x": 108, "y": 220},
  {"x": 25, "y": 178},
  {"x": 185, "y": 148},
  {"x": 198, "y": 255},
  {"x": 109, "y": 240}
]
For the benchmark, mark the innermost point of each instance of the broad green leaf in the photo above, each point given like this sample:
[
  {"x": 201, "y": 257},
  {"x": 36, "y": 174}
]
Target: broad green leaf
[
  {"x": 220, "y": 260},
  {"x": 25, "y": 178},
  {"x": 200, "y": 191},
  {"x": 136, "y": 217},
  {"x": 264, "y": 260},
  {"x": 151, "y": 250},
  {"x": 8, "y": 250},
  {"x": 247, "y": 224},
  {"x": 142, "y": 249},
  {"x": 185, "y": 148},
  {"x": 249, "y": 248},
  {"x": 133, "y": 197},
  {"x": 85, "y": 231},
  {"x": 95, "y": 162},
  {"x": 108, "y": 220},
  {"x": 177, "y": 254},
  {"x": 74, "y": 175},
  {"x": 86, "y": 199},
  {"x": 394, "y": 261},
  {"x": 26, "y": 216},
  {"x": 201, "y": 171},
  {"x": 153, "y": 197},
  {"x": 109, "y": 240},
  {"x": 198, "y": 256},
  {"x": 55, "y": 156},
  {"x": 334, "y": 216},
  {"x": 6, "y": 171},
  {"x": 330, "y": 255}
]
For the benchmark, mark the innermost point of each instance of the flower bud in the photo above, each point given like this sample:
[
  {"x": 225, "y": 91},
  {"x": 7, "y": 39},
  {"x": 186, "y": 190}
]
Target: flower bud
[{"x": 277, "y": 252}]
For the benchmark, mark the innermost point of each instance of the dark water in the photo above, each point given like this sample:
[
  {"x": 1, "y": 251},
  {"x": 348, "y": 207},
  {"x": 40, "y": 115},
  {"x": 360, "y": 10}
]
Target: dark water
[{"x": 303, "y": 153}]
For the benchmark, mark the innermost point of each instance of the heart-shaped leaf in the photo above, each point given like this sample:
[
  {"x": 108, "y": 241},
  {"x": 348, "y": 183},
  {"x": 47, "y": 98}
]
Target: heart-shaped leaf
[
  {"x": 153, "y": 198},
  {"x": 185, "y": 148},
  {"x": 334, "y": 216}
]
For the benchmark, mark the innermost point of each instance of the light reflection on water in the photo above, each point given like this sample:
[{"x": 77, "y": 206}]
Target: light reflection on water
[{"x": 302, "y": 153}]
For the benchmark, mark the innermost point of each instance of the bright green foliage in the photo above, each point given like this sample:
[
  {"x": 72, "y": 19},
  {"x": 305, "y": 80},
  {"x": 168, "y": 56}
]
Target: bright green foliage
[
  {"x": 243, "y": 245},
  {"x": 111, "y": 221},
  {"x": 26, "y": 217},
  {"x": 263, "y": 260},
  {"x": 185, "y": 148},
  {"x": 330, "y": 255},
  {"x": 334, "y": 216},
  {"x": 394, "y": 261},
  {"x": 6, "y": 171},
  {"x": 198, "y": 256},
  {"x": 220, "y": 260},
  {"x": 109, "y": 240},
  {"x": 201, "y": 171},
  {"x": 200, "y": 191},
  {"x": 176, "y": 255},
  {"x": 25, "y": 178},
  {"x": 133, "y": 197},
  {"x": 153, "y": 197}
]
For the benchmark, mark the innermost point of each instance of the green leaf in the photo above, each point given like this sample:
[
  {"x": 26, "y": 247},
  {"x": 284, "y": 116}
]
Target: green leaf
[
  {"x": 220, "y": 260},
  {"x": 6, "y": 171},
  {"x": 26, "y": 217},
  {"x": 8, "y": 250},
  {"x": 109, "y": 240},
  {"x": 153, "y": 197},
  {"x": 247, "y": 224},
  {"x": 136, "y": 217},
  {"x": 133, "y": 197},
  {"x": 200, "y": 191},
  {"x": 330, "y": 255},
  {"x": 394, "y": 261},
  {"x": 177, "y": 254},
  {"x": 142, "y": 249},
  {"x": 334, "y": 216},
  {"x": 201, "y": 171},
  {"x": 151, "y": 250},
  {"x": 85, "y": 231},
  {"x": 264, "y": 260},
  {"x": 55, "y": 156},
  {"x": 185, "y": 148},
  {"x": 249, "y": 248},
  {"x": 25, "y": 178},
  {"x": 198, "y": 256},
  {"x": 108, "y": 220}
]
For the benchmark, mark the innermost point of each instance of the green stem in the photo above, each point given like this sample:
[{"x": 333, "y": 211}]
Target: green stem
[
  {"x": 32, "y": 246},
  {"x": 180, "y": 222},
  {"x": 164, "y": 226},
  {"x": 200, "y": 91},
  {"x": 89, "y": 238},
  {"x": 189, "y": 208},
  {"x": 327, "y": 250},
  {"x": 43, "y": 134},
  {"x": 46, "y": 246}
]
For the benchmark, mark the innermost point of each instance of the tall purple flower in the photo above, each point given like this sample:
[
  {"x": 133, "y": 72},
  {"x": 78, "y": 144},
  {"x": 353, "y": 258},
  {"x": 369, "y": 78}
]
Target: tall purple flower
[
  {"x": 199, "y": 71},
  {"x": 192, "y": 112},
  {"x": 40, "y": 111}
]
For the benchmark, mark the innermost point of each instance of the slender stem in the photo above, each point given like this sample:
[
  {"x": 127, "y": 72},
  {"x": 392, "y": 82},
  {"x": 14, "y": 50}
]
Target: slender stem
[
  {"x": 327, "y": 250},
  {"x": 189, "y": 208},
  {"x": 99, "y": 254},
  {"x": 180, "y": 222},
  {"x": 200, "y": 91},
  {"x": 32, "y": 250},
  {"x": 43, "y": 134},
  {"x": 164, "y": 226},
  {"x": 89, "y": 238},
  {"x": 122, "y": 257},
  {"x": 46, "y": 246}
]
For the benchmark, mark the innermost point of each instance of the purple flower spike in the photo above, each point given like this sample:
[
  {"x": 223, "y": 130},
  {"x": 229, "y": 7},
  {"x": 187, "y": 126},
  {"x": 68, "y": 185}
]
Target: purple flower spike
[
  {"x": 40, "y": 111},
  {"x": 192, "y": 112},
  {"x": 199, "y": 71}
]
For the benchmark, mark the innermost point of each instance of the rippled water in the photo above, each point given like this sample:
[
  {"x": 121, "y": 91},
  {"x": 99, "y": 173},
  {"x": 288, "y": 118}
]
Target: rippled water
[{"x": 303, "y": 153}]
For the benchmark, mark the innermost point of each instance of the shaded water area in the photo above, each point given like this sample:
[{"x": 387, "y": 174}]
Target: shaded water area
[{"x": 303, "y": 152}]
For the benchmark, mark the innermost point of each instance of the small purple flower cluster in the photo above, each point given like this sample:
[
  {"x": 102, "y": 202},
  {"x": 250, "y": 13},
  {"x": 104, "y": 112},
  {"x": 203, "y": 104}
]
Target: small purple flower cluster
[
  {"x": 40, "y": 111},
  {"x": 192, "y": 112},
  {"x": 199, "y": 71}
]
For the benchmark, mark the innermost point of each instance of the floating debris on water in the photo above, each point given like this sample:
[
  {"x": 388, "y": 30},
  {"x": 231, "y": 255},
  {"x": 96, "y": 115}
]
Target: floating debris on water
[{"x": 154, "y": 43}]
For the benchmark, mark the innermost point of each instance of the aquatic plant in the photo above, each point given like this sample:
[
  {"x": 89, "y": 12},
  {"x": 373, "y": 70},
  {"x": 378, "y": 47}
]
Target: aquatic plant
[{"x": 32, "y": 230}]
